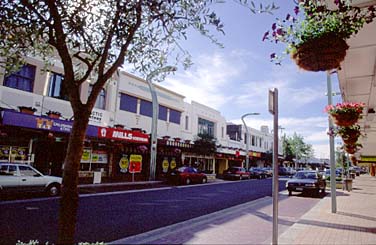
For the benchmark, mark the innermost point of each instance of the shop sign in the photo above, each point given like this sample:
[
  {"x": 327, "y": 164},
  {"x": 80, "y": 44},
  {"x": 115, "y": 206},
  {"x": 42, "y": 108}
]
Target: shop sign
[
  {"x": 99, "y": 157},
  {"x": 173, "y": 163},
  {"x": 368, "y": 158},
  {"x": 96, "y": 117},
  {"x": 122, "y": 134},
  {"x": 44, "y": 123},
  {"x": 124, "y": 164},
  {"x": 135, "y": 165},
  {"x": 165, "y": 165},
  {"x": 255, "y": 154},
  {"x": 86, "y": 154}
]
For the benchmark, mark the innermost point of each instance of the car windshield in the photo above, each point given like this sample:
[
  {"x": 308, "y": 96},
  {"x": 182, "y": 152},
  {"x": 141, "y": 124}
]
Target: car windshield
[{"x": 305, "y": 175}]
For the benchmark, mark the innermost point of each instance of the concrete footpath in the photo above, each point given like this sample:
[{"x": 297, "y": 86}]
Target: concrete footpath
[{"x": 302, "y": 220}]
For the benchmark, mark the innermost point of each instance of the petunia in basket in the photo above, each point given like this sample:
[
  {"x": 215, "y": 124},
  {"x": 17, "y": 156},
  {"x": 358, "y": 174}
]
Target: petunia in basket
[{"x": 345, "y": 114}]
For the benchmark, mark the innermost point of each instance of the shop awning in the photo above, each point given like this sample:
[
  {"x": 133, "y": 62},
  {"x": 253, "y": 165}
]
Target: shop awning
[{"x": 13, "y": 118}]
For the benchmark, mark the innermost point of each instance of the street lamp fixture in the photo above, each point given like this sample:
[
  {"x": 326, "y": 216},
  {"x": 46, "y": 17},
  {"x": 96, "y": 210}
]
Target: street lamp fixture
[
  {"x": 247, "y": 137},
  {"x": 154, "y": 122}
]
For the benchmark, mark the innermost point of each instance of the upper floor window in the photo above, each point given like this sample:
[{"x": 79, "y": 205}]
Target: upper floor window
[
  {"x": 175, "y": 116},
  {"x": 100, "y": 103},
  {"x": 56, "y": 88},
  {"x": 205, "y": 127},
  {"x": 162, "y": 114},
  {"x": 146, "y": 108},
  {"x": 22, "y": 79},
  {"x": 128, "y": 103}
]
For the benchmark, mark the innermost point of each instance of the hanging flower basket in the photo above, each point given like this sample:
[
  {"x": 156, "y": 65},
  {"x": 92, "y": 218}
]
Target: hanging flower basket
[
  {"x": 349, "y": 135},
  {"x": 345, "y": 114},
  {"x": 27, "y": 110},
  {"x": 321, "y": 54},
  {"x": 53, "y": 114},
  {"x": 351, "y": 149}
]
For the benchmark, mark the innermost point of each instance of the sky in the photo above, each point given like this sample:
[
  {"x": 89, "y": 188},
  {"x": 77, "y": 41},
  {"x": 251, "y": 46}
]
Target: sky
[{"x": 235, "y": 79}]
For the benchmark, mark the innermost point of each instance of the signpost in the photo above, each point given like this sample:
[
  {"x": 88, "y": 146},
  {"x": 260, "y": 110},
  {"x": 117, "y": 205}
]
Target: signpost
[
  {"x": 135, "y": 165},
  {"x": 273, "y": 109}
]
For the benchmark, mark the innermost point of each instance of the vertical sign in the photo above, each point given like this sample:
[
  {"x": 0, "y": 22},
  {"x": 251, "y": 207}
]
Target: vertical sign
[{"x": 273, "y": 109}]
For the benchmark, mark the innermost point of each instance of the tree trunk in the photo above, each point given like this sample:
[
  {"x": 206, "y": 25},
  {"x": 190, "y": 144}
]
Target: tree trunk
[{"x": 69, "y": 199}]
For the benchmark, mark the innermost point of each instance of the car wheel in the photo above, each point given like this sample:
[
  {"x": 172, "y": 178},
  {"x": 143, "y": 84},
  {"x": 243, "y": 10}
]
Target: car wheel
[
  {"x": 290, "y": 193},
  {"x": 204, "y": 180},
  {"x": 241, "y": 177},
  {"x": 260, "y": 177},
  {"x": 188, "y": 181},
  {"x": 316, "y": 192},
  {"x": 53, "y": 190}
]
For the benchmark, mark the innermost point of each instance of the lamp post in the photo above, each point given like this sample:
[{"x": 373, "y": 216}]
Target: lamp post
[
  {"x": 154, "y": 122},
  {"x": 247, "y": 137}
]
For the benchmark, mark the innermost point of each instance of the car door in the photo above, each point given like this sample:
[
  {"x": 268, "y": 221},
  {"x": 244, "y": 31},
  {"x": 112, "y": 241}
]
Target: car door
[
  {"x": 30, "y": 180},
  {"x": 9, "y": 178}
]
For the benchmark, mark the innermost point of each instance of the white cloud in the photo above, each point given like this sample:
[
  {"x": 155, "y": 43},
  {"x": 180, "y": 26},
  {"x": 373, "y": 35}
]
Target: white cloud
[{"x": 208, "y": 81}]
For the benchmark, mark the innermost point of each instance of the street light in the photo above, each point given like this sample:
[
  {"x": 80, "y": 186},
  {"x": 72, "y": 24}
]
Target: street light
[
  {"x": 154, "y": 122},
  {"x": 247, "y": 137}
]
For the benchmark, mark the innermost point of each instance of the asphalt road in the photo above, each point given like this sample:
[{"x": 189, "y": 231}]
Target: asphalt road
[{"x": 111, "y": 216}]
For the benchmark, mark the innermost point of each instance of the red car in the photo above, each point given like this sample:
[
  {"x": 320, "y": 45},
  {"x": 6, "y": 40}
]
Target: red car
[
  {"x": 186, "y": 175},
  {"x": 236, "y": 173}
]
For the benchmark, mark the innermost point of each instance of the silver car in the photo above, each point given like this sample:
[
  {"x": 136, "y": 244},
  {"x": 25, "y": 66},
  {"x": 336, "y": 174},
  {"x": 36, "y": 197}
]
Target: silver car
[{"x": 24, "y": 178}]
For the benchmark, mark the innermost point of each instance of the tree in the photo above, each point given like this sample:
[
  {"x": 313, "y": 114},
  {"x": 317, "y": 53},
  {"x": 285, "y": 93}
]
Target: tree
[
  {"x": 294, "y": 146},
  {"x": 93, "y": 39},
  {"x": 204, "y": 144}
]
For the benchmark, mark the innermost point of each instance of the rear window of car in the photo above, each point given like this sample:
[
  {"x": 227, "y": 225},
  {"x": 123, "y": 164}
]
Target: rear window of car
[{"x": 8, "y": 170}]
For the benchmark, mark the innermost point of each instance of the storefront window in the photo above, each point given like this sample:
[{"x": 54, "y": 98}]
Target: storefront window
[
  {"x": 94, "y": 160},
  {"x": 13, "y": 153},
  {"x": 22, "y": 79}
]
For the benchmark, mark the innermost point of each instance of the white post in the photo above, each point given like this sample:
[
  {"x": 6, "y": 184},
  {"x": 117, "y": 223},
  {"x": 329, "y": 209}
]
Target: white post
[{"x": 331, "y": 148}]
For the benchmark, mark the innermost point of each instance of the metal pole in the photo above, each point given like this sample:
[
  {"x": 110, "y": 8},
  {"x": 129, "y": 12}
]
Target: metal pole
[
  {"x": 247, "y": 138},
  {"x": 154, "y": 122},
  {"x": 275, "y": 168},
  {"x": 331, "y": 148}
]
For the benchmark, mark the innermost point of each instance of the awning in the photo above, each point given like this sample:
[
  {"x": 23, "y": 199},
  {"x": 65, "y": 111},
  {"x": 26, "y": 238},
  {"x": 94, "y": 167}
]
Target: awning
[{"x": 13, "y": 118}]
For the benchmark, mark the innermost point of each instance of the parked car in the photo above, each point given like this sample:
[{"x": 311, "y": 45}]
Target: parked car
[
  {"x": 258, "y": 173},
  {"x": 282, "y": 171},
  {"x": 269, "y": 171},
  {"x": 22, "y": 178},
  {"x": 306, "y": 181},
  {"x": 186, "y": 175},
  {"x": 236, "y": 173}
]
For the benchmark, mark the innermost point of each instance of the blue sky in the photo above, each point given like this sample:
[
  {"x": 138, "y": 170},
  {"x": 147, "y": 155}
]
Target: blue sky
[{"x": 235, "y": 80}]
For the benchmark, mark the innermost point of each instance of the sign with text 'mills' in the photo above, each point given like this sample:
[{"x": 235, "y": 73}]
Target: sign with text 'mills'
[{"x": 122, "y": 134}]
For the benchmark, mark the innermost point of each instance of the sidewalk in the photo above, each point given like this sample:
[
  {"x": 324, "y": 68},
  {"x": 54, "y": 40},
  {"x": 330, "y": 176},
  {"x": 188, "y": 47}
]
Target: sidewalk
[
  {"x": 354, "y": 222},
  {"x": 302, "y": 220}
]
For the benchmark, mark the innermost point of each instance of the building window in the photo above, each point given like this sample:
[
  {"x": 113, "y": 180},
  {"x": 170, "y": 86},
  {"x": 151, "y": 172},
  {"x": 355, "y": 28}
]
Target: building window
[
  {"x": 162, "y": 113},
  {"x": 222, "y": 132},
  {"x": 100, "y": 103},
  {"x": 205, "y": 127},
  {"x": 146, "y": 108},
  {"x": 128, "y": 103},
  {"x": 186, "y": 122},
  {"x": 253, "y": 140},
  {"x": 175, "y": 116},
  {"x": 22, "y": 79},
  {"x": 56, "y": 88}
]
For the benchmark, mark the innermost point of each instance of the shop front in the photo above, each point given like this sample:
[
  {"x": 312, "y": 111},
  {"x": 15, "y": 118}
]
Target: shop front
[
  {"x": 128, "y": 153},
  {"x": 40, "y": 141}
]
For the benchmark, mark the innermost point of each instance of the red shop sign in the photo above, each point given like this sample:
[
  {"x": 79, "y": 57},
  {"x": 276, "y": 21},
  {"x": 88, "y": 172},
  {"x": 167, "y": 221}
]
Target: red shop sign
[{"x": 122, "y": 134}]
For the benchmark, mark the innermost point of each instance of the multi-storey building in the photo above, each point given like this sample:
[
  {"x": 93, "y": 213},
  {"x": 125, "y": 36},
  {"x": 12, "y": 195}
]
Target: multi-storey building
[{"x": 119, "y": 126}]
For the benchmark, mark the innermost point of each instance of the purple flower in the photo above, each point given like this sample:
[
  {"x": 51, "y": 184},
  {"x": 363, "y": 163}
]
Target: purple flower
[
  {"x": 272, "y": 56},
  {"x": 279, "y": 31},
  {"x": 288, "y": 16},
  {"x": 265, "y": 36},
  {"x": 336, "y": 2},
  {"x": 296, "y": 10},
  {"x": 274, "y": 26}
]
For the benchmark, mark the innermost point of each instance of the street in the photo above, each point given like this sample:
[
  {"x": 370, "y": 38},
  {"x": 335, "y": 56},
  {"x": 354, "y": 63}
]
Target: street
[{"x": 111, "y": 216}]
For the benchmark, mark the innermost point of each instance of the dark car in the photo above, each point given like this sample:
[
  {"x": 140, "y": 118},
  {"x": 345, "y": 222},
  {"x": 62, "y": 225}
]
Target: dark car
[
  {"x": 282, "y": 171},
  {"x": 258, "y": 173},
  {"x": 236, "y": 173},
  {"x": 306, "y": 181},
  {"x": 186, "y": 175}
]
